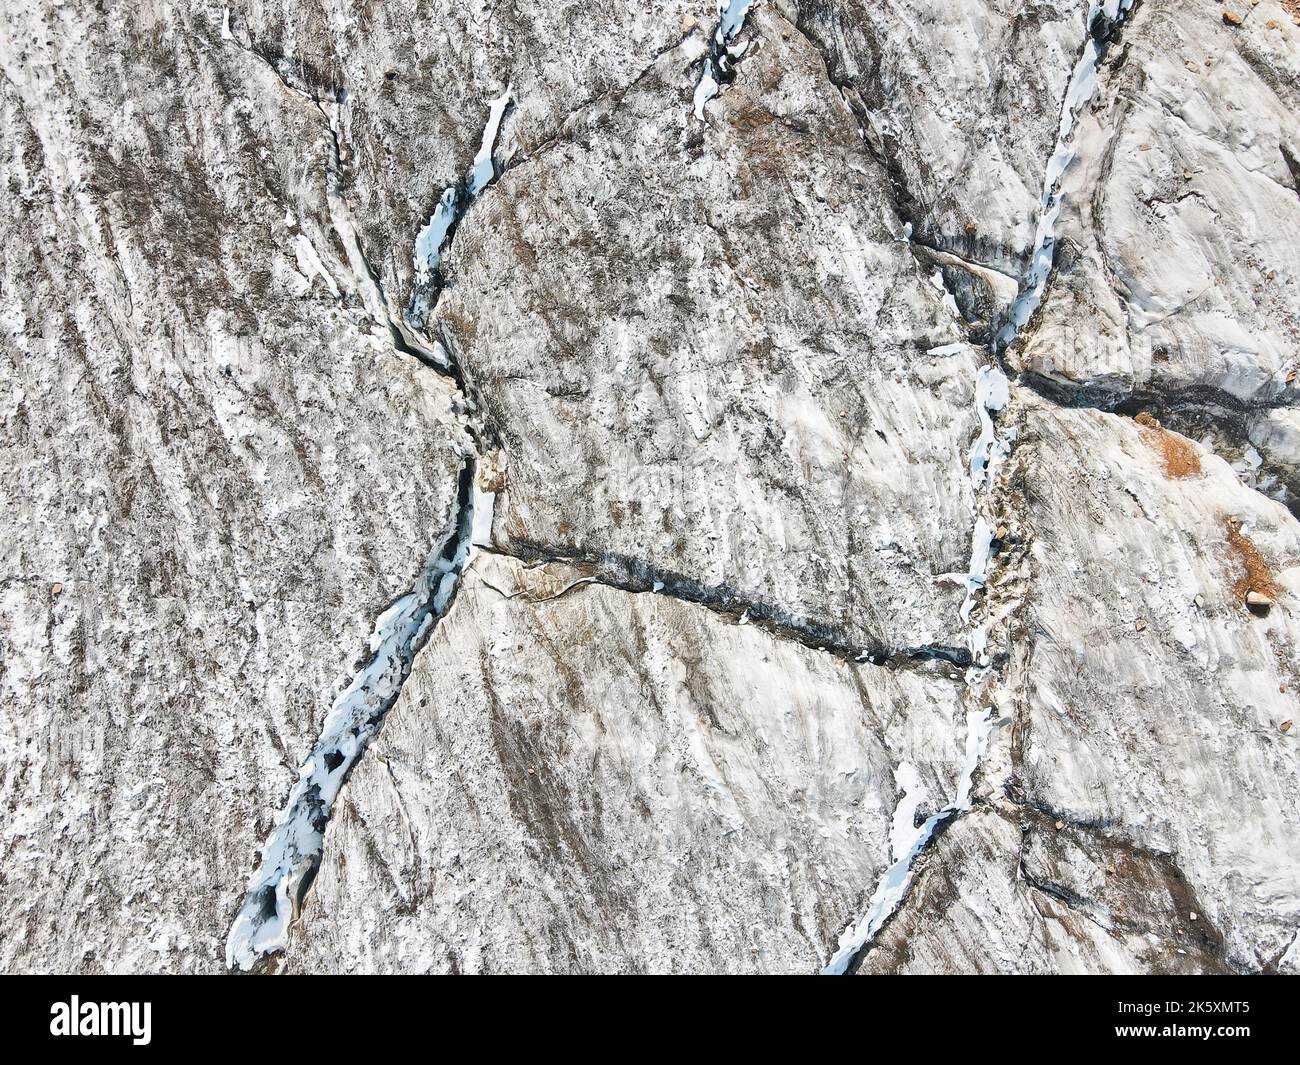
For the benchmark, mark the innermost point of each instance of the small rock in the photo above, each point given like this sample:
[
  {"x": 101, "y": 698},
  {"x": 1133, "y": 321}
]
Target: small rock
[
  {"x": 1192, "y": 65},
  {"x": 1139, "y": 625},
  {"x": 1290, "y": 378},
  {"x": 1191, "y": 916},
  {"x": 1232, "y": 18},
  {"x": 971, "y": 229},
  {"x": 1258, "y": 600},
  {"x": 1285, "y": 726},
  {"x": 56, "y": 588},
  {"x": 1188, "y": 175},
  {"x": 1060, "y": 825},
  {"x": 1144, "y": 147},
  {"x": 1002, "y": 532}
]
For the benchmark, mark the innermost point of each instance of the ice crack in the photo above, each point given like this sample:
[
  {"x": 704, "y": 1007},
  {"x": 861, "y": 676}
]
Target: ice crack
[
  {"x": 455, "y": 201},
  {"x": 292, "y": 853},
  {"x": 719, "y": 64}
]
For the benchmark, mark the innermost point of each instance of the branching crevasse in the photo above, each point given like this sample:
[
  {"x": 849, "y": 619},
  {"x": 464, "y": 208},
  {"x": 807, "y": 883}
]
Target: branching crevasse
[
  {"x": 292, "y": 854},
  {"x": 990, "y": 450},
  {"x": 329, "y": 98},
  {"x": 402, "y": 338}
]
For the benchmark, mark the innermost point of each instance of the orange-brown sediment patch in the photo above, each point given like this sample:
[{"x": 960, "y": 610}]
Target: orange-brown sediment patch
[
  {"x": 1258, "y": 577},
  {"x": 1176, "y": 452}
]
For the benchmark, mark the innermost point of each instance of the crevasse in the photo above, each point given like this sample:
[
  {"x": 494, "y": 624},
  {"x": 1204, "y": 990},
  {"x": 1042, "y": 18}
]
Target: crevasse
[
  {"x": 717, "y": 64},
  {"x": 892, "y": 887},
  {"x": 452, "y": 205},
  {"x": 992, "y": 394},
  {"x": 292, "y": 853}
]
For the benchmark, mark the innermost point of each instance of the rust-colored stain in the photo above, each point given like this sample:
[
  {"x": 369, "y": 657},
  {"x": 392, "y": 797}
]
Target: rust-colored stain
[
  {"x": 1258, "y": 577},
  {"x": 1177, "y": 452}
]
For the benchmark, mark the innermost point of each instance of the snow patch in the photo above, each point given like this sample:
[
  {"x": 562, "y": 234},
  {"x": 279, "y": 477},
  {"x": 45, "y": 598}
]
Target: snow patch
[
  {"x": 483, "y": 172},
  {"x": 484, "y": 509},
  {"x": 992, "y": 394}
]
